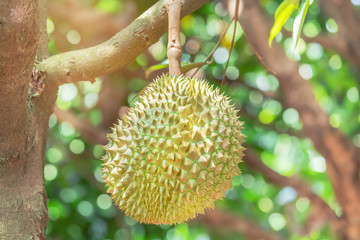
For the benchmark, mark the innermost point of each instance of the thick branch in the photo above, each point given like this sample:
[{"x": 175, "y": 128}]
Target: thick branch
[
  {"x": 223, "y": 220},
  {"x": 115, "y": 53}
]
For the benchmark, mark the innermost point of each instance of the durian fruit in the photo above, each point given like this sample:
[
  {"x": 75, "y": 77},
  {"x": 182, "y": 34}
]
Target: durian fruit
[{"x": 174, "y": 153}]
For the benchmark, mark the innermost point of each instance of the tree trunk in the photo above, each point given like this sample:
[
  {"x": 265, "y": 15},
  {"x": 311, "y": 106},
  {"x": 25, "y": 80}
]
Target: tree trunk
[
  {"x": 23, "y": 125},
  {"x": 23, "y": 203}
]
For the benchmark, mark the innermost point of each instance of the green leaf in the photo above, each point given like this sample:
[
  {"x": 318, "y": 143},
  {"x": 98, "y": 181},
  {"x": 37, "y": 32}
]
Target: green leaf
[
  {"x": 299, "y": 22},
  {"x": 185, "y": 67},
  {"x": 282, "y": 14},
  {"x": 281, "y": 8},
  {"x": 155, "y": 68}
]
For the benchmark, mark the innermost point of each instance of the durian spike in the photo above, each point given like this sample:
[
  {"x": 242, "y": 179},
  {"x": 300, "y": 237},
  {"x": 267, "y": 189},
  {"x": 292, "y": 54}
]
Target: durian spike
[{"x": 174, "y": 162}]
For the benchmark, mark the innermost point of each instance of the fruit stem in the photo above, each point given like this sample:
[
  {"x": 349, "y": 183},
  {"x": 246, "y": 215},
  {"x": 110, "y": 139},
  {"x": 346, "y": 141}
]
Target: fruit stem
[{"x": 174, "y": 52}]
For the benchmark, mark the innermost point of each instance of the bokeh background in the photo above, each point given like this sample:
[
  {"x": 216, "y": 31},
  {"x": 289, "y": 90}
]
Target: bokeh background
[{"x": 80, "y": 209}]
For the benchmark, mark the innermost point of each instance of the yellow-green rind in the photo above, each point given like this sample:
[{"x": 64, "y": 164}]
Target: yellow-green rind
[{"x": 174, "y": 153}]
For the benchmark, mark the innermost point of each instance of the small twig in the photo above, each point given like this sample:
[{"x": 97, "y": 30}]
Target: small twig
[
  {"x": 174, "y": 52},
  {"x": 237, "y": 4},
  {"x": 216, "y": 47}
]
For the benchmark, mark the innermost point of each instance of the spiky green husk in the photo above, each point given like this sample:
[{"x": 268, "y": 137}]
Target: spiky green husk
[{"x": 174, "y": 153}]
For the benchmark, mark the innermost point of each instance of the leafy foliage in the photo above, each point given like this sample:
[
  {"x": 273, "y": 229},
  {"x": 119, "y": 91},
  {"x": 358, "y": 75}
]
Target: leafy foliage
[
  {"x": 299, "y": 21},
  {"x": 185, "y": 67},
  {"x": 283, "y": 13}
]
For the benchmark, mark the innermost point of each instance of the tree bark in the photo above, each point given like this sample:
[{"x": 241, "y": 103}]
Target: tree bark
[
  {"x": 23, "y": 203},
  {"x": 18, "y": 44},
  {"x": 23, "y": 208}
]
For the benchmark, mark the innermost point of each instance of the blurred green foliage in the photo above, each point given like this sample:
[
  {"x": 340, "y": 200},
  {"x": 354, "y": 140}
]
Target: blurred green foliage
[{"x": 80, "y": 209}]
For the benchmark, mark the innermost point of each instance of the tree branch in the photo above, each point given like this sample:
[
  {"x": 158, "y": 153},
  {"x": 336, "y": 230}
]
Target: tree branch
[{"x": 117, "y": 52}]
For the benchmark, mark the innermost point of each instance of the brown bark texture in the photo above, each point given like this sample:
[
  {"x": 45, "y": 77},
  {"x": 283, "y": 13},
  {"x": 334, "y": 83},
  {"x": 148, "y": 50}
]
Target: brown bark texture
[{"x": 23, "y": 130}]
